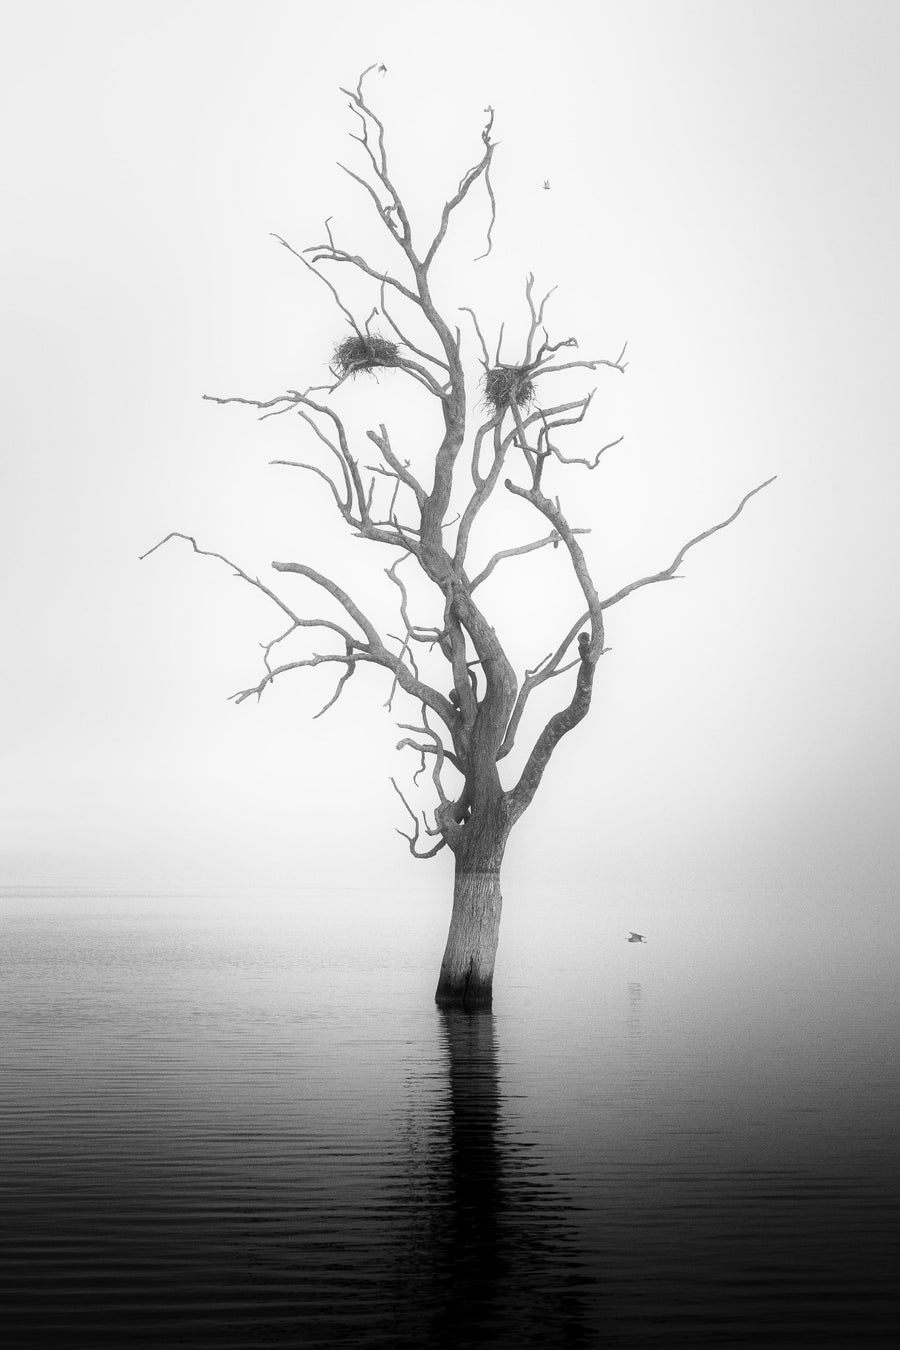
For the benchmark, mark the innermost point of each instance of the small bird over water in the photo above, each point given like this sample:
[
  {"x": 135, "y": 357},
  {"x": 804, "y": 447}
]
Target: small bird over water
[{"x": 636, "y": 937}]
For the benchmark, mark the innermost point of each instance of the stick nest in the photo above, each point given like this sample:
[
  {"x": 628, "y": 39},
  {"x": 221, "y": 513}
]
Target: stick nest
[
  {"x": 356, "y": 354},
  {"x": 504, "y": 385}
]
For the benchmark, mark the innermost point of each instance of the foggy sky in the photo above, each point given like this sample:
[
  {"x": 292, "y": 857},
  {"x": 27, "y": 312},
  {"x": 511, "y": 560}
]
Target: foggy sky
[{"x": 723, "y": 196}]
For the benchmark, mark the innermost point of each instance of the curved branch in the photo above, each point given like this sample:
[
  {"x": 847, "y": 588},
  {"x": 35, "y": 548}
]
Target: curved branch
[
  {"x": 668, "y": 573},
  {"x": 557, "y": 727},
  {"x": 485, "y": 359},
  {"x": 426, "y": 356},
  {"x": 413, "y": 631},
  {"x": 289, "y": 399},
  {"x": 299, "y": 399},
  {"x": 312, "y": 468},
  {"x": 436, "y": 749},
  {"x": 552, "y": 511},
  {"x": 589, "y": 464},
  {"x": 337, "y": 299},
  {"x": 537, "y": 318},
  {"x": 333, "y": 589},
  {"x": 449, "y": 755},
  {"x": 553, "y": 538},
  {"x": 238, "y": 572},
  {"x": 383, "y": 210},
  {"x": 400, "y": 470},
  {"x": 484, "y": 484},
  {"x": 375, "y": 649},
  {"x": 562, "y": 722},
  {"x": 423, "y": 376},
  {"x": 351, "y": 668},
  {"x": 468, "y": 178},
  {"x": 380, "y": 166},
  {"x": 328, "y": 253},
  {"x": 545, "y": 670},
  {"x": 493, "y": 201},
  {"x": 347, "y": 504},
  {"x": 414, "y": 838},
  {"x": 317, "y": 659},
  {"x": 541, "y": 414}
]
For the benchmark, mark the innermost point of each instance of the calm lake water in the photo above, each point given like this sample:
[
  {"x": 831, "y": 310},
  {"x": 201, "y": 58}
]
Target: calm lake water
[{"x": 234, "y": 1124}]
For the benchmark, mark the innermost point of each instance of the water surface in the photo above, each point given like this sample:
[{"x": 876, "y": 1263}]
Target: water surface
[{"x": 244, "y": 1125}]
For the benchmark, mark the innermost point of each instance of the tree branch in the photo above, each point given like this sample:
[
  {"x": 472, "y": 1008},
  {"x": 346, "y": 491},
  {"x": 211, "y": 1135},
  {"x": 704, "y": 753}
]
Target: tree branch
[
  {"x": 362, "y": 110},
  {"x": 470, "y": 177},
  {"x": 414, "y": 838},
  {"x": 544, "y": 670},
  {"x": 382, "y": 440},
  {"x": 552, "y": 511},
  {"x": 559, "y": 724},
  {"x": 485, "y": 359},
  {"x": 317, "y": 659},
  {"x": 553, "y": 538},
  {"x": 239, "y": 572},
  {"x": 563, "y": 721},
  {"x": 343, "y": 599},
  {"x": 346, "y": 506},
  {"x": 436, "y": 749},
  {"x": 329, "y": 253},
  {"x": 312, "y": 468},
  {"x": 668, "y": 573}
]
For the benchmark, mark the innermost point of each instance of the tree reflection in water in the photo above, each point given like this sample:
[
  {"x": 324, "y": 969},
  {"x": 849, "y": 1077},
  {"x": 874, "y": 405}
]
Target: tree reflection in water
[{"x": 497, "y": 1255}]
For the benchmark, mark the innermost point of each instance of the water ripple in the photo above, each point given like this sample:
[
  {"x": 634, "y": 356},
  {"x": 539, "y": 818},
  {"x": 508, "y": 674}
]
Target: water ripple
[{"x": 222, "y": 1134}]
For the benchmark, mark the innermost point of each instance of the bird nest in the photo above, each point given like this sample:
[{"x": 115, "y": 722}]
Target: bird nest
[
  {"x": 356, "y": 353},
  {"x": 504, "y": 385}
]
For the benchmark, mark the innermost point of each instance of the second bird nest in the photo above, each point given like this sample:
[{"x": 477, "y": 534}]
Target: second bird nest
[{"x": 504, "y": 385}]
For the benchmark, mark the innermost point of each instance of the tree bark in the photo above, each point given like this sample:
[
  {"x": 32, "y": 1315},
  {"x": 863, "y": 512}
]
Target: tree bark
[{"x": 467, "y": 970}]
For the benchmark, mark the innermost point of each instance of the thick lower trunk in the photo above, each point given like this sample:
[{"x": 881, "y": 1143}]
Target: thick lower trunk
[{"x": 467, "y": 971}]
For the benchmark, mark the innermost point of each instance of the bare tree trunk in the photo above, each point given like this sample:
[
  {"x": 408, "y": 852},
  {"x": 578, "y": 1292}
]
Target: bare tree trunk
[{"x": 467, "y": 970}]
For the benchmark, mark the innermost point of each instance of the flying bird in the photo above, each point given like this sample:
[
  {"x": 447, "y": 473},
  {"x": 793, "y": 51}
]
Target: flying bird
[{"x": 636, "y": 937}]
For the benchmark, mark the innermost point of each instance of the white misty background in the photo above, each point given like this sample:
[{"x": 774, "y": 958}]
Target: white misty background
[{"x": 723, "y": 196}]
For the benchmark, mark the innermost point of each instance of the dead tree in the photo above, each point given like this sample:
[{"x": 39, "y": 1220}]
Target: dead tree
[{"x": 463, "y": 736}]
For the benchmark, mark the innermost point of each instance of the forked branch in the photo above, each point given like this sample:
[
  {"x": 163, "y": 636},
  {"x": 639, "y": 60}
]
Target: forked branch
[
  {"x": 465, "y": 183},
  {"x": 372, "y": 649},
  {"x": 553, "y": 538},
  {"x": 238, "y": 572},
  {"x": 563, "y": 721},
  {"x": 413, "y": 838}
]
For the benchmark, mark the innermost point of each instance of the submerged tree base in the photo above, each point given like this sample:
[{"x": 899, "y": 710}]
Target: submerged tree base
[
  {"x": 467, "y": 970},
  {"x": 470, "y": 994}
]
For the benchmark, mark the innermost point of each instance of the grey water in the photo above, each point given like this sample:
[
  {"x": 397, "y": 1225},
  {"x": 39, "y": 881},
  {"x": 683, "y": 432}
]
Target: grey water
[{"x": 242, "y": 1122}]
